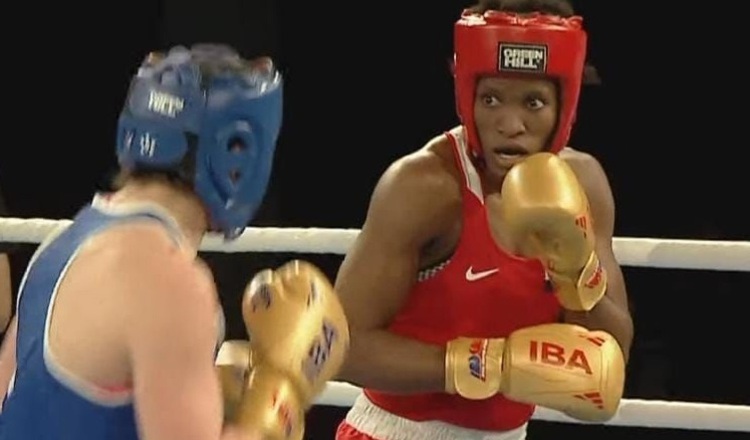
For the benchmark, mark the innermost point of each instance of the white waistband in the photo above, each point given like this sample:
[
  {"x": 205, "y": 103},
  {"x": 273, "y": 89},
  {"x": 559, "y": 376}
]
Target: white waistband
[{"x": 375, "y": 422}]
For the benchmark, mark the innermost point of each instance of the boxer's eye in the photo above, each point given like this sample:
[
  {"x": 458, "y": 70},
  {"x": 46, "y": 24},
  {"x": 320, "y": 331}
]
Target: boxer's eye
[
  {"x": 535, "y": 103},
  {"x": 490, "y": 100}
]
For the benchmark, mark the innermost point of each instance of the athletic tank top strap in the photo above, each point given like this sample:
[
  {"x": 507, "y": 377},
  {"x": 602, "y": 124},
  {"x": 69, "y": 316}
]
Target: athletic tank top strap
[
  {"x": 142, "y": 210},
  {"x": 472, "y": 182}
]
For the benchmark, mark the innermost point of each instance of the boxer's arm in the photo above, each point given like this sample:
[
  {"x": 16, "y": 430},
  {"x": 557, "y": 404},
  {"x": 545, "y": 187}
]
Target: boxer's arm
[
  {"x": 6, "y": 297},
  {"x": 6, "y": 292},
  {"x": 171, "y": 331},
  {"x": 406, "y": 210},
  {"x": 612, "y": 313},
  {"x": 8, "y": 357}
]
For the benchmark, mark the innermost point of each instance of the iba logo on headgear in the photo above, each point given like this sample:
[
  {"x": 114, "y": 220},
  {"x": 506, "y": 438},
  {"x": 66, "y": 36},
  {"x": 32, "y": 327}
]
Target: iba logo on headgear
[{"x": 515, "y": 57}]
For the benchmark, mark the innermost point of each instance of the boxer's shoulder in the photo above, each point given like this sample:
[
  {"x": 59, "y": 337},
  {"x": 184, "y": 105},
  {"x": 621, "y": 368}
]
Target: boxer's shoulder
[
  {"x": 592, "y": 177},
  {"x": 159, "y": 285},
  {"x": 586, "y": 166},
  {"x": 427, "y": 174},
  {"x": 421, "y": 185},
  {"x": 575, "y": 156},
  {"x": 204, "y": 269},
  {"x": 142, "y": 257}
]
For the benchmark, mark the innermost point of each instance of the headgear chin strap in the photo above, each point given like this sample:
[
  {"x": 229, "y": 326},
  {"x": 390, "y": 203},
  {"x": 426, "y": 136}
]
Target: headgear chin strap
[
  {"x": 217, "y": 129},
  {"x": 536, "y": 45}
]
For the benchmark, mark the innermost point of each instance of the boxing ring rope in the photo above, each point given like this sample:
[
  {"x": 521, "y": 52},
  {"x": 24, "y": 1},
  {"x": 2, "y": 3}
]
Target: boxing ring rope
[{"x": 639, "y": 252}]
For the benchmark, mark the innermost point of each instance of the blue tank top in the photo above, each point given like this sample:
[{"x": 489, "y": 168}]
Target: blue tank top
[{"x": 40, "y": 405}]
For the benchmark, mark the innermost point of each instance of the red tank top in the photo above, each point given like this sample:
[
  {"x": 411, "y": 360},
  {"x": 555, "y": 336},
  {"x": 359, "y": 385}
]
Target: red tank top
[{"x": 482, "y": 291}]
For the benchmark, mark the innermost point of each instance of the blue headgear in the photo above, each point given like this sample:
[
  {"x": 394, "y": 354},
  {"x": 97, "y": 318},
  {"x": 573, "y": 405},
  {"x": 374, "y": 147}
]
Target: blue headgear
[{"x": 217, "y": 129}]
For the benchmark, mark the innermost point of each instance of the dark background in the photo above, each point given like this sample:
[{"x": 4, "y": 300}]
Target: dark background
[{"x": 367, "y": 82}]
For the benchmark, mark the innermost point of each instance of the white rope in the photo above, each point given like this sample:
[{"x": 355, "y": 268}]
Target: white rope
[
  {"x": 644, "y": 252},
  {"x": 632, "y": 412},
  {"x": 641, "y": 252}
]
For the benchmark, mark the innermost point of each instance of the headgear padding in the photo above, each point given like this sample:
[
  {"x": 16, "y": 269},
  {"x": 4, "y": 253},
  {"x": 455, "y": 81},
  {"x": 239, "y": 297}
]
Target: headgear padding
[
  {"x": 532, "y": 45},
  {"x": 217, "y": 129}
]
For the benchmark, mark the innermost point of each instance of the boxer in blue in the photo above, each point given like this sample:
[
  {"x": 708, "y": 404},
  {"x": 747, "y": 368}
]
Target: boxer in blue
[{"x": 116, "y": 330}]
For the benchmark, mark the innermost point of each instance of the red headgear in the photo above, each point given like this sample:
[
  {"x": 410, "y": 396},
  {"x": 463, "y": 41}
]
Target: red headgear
[{"x": 499, "y": 43}]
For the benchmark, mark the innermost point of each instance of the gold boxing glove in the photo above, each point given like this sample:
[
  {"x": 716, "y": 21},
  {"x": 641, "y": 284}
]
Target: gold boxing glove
[
  {"x": 547, "y": 213},
  {"x": 559, "y": 366},
  {"x": 299, "y": 338},
  {"x": 232, "y": 366}
]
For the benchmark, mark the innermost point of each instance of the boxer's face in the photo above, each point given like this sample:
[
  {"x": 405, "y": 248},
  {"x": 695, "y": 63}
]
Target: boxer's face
[{"x": 514, "y": 117}]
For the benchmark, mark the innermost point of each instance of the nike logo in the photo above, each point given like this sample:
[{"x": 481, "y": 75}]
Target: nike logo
[{"x": 473, "y": 276}]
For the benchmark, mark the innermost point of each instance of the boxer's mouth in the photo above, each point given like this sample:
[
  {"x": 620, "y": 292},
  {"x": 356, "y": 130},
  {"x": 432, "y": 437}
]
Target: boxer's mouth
[{"x": 510, "y": 151}]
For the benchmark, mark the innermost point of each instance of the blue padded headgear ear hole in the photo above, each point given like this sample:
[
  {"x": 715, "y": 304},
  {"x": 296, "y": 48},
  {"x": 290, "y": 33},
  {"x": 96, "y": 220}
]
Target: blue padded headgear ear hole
[{"x": 237, "y": 145}]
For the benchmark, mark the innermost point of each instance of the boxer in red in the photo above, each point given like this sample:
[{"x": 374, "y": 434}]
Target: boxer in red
[{"x": 484, "y": 282}]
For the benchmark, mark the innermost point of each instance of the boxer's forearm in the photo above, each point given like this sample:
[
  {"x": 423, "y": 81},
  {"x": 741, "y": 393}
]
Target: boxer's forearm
[
  {"x": 8, "y": 357},
  {"x": 387, "y": 362},
  {"x": 5, "y": 293},
  {"x": 609, "y": 317}
]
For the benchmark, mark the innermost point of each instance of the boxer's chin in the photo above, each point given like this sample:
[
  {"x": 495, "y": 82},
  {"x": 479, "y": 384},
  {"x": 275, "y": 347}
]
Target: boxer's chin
[
  {"x": 507, "y": 155},
  {"x": 507, "y": 161},
  {"x": 496, "y": 171}
]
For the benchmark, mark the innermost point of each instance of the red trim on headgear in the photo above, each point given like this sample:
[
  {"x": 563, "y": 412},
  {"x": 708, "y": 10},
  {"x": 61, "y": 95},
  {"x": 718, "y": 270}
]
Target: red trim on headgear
[{"x": 499, "y": 43}]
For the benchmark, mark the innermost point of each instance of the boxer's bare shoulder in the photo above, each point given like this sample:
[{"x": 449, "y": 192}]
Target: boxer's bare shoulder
[
  {"x": 154, "y": 278},
  {"x": 421, "y": 189},
  {"x": 576, "y": 157},
  {"x": 590, "y": 174},
  {"x": 205, "y": 269}
]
